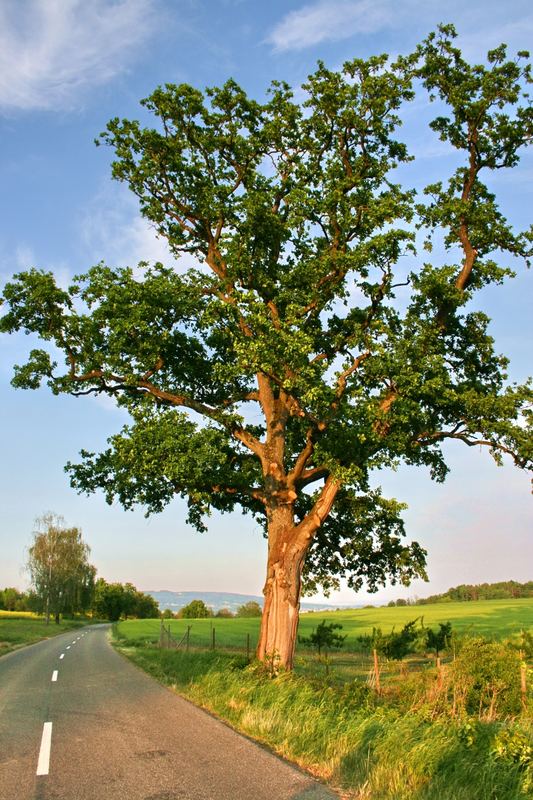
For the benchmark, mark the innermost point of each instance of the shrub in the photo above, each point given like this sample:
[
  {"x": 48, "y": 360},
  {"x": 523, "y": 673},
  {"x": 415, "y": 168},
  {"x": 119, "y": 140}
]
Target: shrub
[
  {"x": 324, "y": 637},
  {"x": 486, "y": 679}
]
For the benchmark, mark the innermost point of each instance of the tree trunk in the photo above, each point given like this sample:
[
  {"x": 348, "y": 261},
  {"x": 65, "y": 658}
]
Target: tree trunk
[{"x": 279, "y": 624}]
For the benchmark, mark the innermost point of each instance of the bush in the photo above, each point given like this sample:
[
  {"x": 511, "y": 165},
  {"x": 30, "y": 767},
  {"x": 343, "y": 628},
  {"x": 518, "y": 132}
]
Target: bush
[{"x": 486, "y": 679}]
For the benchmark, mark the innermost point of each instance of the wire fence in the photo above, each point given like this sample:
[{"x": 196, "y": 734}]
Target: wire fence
[
  {"x": 374, "y": 668},
  {"x": 200, "y": 641}
]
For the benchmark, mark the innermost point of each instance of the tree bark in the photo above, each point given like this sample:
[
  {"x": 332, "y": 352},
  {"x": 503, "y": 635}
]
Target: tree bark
[
  {"x": 287, "y": 548},
  {"x": 279, "y": 623}
]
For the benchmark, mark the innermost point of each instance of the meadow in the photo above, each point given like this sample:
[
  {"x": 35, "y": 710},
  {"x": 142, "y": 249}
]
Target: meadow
[
  {"x": 495, "y": 619},
  {"x": 19, "y": 628}
]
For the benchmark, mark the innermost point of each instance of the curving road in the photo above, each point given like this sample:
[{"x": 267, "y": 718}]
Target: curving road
[{"x": 79, "y": 722}]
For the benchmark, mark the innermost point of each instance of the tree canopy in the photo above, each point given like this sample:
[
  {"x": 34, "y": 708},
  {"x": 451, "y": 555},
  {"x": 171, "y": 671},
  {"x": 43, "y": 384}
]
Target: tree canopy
[
  {"x": 58, "y": 563},
  {"x": 196, "y": 609},
  {"x": 314, "y": 342},
  {"x": 249, "y": 609},
  {"x": 115, "y": 600}
]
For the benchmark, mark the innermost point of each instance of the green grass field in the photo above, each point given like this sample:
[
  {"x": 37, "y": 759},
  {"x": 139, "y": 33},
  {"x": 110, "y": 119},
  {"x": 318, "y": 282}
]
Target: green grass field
[
  {"x": 496, "y": 619},
  {"x": 21, "y": 628}
]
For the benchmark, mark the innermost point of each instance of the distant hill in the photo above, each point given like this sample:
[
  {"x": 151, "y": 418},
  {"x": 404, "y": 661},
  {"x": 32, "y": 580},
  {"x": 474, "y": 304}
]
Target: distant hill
[
  {"x": 503, "y": 590},
  {"x": 470, "y": 592},
  {"x": 217, "y": 600}
]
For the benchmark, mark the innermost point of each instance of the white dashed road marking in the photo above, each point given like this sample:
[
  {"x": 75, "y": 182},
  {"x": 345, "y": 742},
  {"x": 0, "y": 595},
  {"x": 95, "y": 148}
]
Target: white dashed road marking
[
  {"x": 43, "y": 765},
  {"x": 55, "y": 673},
  {"x": 68, "y": 647},
  {"x": 62, "y": 655}
]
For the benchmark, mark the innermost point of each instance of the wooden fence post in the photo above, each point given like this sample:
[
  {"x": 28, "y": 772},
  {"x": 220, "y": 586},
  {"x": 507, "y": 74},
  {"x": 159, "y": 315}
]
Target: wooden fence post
[
  {"x": 439, "y": 673},
  {"x": 213, "y": 638},
  {"x": 188, "y": 637},
  {"x": 248, "y": 646},
  {"x": 376, "y": 671},
  {"x": 523, "y": 681},
  {"x": 161, "y": 629}
]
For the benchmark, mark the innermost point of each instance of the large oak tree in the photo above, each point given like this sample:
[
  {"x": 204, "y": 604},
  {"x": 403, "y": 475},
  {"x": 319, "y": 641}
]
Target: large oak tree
[{"x": 300, "y": 355}]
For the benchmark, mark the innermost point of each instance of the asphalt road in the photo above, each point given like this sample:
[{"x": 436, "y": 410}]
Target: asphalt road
[{"x": 79, "y": 722}]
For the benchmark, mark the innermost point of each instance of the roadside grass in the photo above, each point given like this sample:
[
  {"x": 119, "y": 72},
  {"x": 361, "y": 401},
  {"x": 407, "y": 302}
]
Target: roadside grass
[
  {"x": 21, "y": 628},
  {"x": 370, "y": 747}
]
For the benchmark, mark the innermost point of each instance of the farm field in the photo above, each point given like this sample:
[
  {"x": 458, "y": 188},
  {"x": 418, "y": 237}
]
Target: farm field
[
  {"x": 495, "y": 619},
  {"x": 19, "y": 628}
]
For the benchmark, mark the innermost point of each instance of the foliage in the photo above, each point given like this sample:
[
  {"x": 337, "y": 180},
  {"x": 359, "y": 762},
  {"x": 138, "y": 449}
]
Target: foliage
[
  {"x": 512, "y": 745},
  {"x": 250, "y": 609},
  {"x": 480, "y": 591},
  {"x": 440, "y": 639},
  {"x": 115, "y": 600},
  {"x": 396, "y": 644},
  {"x": 486, "y": 678},
  {"x": 196, "y": 609},
  {"x": 61, "y": 576},
  {"x": 224, "y": 613},
  {"x": 313, "y": 354},
  {"x": 524, "y": 644},
  {"x": 324, "y": 637},
  {"x": 13, "y": 600}
]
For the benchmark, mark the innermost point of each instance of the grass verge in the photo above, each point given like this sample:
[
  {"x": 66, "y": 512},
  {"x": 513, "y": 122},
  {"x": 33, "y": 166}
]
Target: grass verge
[
  {"x": 346, "y": 736},
  {"x": 18, "y": 630}
]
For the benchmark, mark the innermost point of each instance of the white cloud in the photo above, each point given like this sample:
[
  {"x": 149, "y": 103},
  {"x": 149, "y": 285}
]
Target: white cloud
[
  {"x": 329, "y": 20},
  {"x": 482, "y": 25},
  {"x": 22, "y": 258},
  {"x": 52, "y": 51},
  {"x": 516, "y": 33},
  {"x": 112, "y": 230}
]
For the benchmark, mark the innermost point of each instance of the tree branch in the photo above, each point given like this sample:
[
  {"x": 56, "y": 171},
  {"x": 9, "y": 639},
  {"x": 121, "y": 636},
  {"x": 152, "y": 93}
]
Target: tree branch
[
  {"x": 306, "y": 529},
  {"x": 464, "y": 436}
]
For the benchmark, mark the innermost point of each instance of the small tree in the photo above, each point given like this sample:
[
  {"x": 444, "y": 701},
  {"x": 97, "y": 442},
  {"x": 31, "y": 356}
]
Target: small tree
[
  {"x": 396, "y": 644},
  {"x": 225, "y": 613},
  {"x": 108, "y": 600},
  {"x": 145, "y": 607},
  {"x": 440, "y": 639},
  {"x": 196, "y": 609},
  {"x": 11, "y": 599},
  {"x": 325, "y": 637},
  {"x": 250, "y": 609},
  {"x": 61, "y": 576}
]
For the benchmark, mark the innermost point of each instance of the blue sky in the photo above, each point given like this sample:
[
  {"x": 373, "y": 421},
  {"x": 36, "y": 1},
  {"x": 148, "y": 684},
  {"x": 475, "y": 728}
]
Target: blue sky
[{"x": 66, "y": 68}]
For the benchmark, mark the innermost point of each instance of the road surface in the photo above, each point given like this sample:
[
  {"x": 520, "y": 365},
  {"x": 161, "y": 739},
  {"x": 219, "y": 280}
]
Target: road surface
[{"x": 79, "y": 722}]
